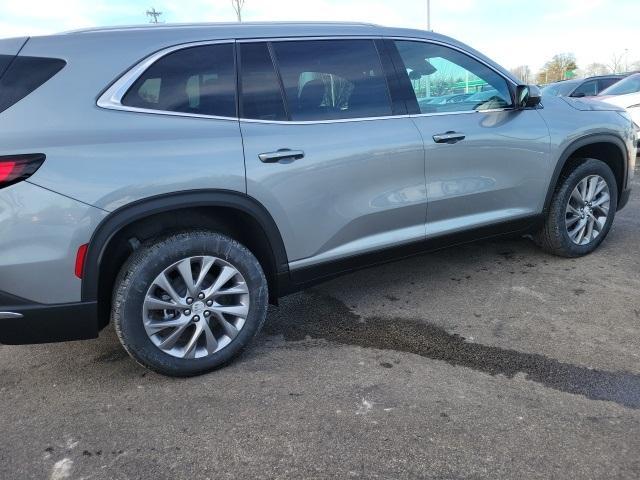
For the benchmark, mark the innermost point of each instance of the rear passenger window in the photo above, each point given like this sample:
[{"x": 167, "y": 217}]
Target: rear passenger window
[
  {"x": 197, "y": 80},
  {"x": 261, "y": 96},
  {"x": 332, "y": 79}
]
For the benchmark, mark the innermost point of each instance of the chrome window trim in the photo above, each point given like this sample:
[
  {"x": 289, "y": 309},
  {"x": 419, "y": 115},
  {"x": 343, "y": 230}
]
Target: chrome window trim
[{"x": 111, "y": 99}]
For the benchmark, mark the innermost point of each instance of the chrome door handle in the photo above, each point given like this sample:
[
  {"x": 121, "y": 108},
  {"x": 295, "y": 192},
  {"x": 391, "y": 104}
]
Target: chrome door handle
[
  {"x": 448, "y": 137},
  {"x": 282, "y": 154}
]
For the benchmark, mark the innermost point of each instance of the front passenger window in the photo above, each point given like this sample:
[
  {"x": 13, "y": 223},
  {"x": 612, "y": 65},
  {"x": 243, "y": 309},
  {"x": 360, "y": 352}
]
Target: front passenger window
[{"x": 446, "y": 80}]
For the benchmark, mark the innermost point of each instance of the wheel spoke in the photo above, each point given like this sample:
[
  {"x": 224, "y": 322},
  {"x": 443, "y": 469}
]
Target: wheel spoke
[
  {"x": 589, "y": 233},
  {"x": 156, "y": 304},
  {"x": 210, "y": 340},
  {"x": 184, "y": 267},
  {"x": 602, "y": 200},
  {"x": 171, "y": 340},
  {"x": 582, "y": 186},
  {"x": 207, "y": 263},
  {"x": 234, "y": 310},
  {"x": 228, "y": 327},
  {"x": 163, "y": 282},
  {"x": 155, "y": 327},
  {"x": 571, "y": 209},
  {"x": 592, "y": 183},
  {"x": 226, "y": 274},
  {"x": 190, "y": 347},
  {"x": 601, "y": 186},
  {"x": 577, "y": 196},
  {"x": 571, "y": 221},
  {"x": 239, "y": 289}
]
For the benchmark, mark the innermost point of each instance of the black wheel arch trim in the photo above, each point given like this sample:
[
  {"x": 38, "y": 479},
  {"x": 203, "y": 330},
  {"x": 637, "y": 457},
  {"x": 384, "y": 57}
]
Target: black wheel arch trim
[
  {"x": 575, "y": 146},
  {"x": 140, "y": 209}
]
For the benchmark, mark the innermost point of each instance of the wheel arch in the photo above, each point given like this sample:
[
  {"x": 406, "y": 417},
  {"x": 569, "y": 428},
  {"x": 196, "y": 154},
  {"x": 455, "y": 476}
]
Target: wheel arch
[
  {"x": 236, "y": 211},
  {"x": 607, "y": 147}
]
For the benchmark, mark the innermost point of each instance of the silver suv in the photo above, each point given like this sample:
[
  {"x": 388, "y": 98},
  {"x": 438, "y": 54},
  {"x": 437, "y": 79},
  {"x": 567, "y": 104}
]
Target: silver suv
[{"x": 174, "y": 180}]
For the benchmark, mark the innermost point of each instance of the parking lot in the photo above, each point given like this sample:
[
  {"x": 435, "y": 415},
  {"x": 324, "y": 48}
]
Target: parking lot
[{"x": 491, "y": 360}]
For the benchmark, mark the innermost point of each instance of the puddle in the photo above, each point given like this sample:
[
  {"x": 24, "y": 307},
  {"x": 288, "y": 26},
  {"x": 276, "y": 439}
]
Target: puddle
[{"x": 319, "y": 316}]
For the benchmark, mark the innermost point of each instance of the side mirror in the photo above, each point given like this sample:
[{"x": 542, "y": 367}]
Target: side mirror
[
  {"x": 579, "y": 95},
  {"x": 527, "y": 96}
]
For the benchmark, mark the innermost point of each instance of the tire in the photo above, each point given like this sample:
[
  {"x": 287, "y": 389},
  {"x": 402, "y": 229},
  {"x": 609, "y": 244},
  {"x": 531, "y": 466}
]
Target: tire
[
  {"x": 558, "y": 235},
  {"x": 235, "y": 287}
]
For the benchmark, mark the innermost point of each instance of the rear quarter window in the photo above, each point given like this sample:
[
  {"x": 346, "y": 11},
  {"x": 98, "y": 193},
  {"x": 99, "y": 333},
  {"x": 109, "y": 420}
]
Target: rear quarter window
[{"x": 195, "y": 80}]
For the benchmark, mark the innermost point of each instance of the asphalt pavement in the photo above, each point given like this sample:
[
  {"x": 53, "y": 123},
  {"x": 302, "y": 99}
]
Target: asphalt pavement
[{"x": 488, "y": 361}]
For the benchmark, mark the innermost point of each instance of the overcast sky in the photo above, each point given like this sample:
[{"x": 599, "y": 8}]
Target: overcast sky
[{"x": 529, "y": 33}]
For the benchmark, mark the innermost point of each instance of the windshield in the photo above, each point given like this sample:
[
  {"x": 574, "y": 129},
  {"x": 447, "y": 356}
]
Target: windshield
[
  {"x": 560, "y": 89},
  {"x": 631, "y": 84}
]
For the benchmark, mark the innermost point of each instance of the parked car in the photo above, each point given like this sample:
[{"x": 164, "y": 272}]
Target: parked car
[
  {"x": 583, "y": 87},
  {"x": 174, "y": 180},
  {"x": 625, "y": 94}
]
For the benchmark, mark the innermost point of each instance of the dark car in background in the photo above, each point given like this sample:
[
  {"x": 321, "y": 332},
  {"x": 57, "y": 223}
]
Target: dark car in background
[{"x": 583, "y": 87}]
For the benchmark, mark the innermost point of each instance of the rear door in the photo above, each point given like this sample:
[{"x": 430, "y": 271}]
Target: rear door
[
  {"x": 486, "y": 162},
  {"x": 340, "y": 174}
]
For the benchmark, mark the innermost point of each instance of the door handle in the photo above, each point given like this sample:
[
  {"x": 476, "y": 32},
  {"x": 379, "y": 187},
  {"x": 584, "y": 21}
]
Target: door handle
[
  {"x": 449, "y": 137},
  {"x": 282, "y": 154}
]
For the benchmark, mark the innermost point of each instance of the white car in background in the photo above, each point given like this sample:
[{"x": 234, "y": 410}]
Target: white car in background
[{"x": 625, "y": 94}]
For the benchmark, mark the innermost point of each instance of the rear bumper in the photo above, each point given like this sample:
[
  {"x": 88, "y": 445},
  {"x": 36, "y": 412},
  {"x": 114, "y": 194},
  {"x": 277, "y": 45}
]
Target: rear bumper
[{"x": 22, "y": 322}]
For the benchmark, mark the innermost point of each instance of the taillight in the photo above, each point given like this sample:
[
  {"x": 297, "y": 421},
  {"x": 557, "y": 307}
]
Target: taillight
[{"x": 15, "y": 168}]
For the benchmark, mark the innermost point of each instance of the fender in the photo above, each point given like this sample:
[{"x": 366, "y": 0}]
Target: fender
[
  {"x": 573, "y": 147},
  {"x": 138, "y": 210}
]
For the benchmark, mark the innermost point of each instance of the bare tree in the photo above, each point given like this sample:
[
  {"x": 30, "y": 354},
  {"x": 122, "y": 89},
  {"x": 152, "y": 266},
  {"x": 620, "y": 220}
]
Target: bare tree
[
  {"x": 237, "y": 6},
  {"x": 523, "y": 72},
  {"x": 616, "y": 63},
  {"x": 596, "y": 69}
]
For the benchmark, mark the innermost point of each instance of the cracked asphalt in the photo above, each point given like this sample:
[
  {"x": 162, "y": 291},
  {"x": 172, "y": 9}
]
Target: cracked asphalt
[{"x": 487, "y": 361}]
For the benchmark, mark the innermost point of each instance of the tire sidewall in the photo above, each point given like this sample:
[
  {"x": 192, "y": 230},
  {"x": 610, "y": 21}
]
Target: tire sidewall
[
  {"x": 589, "y": 167},
  {"x": 148, "y": 263}
]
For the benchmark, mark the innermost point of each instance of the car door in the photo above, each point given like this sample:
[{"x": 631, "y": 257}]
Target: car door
[
  {"x": 486, "y": 162},
  {"x": 340, "y": 173}
]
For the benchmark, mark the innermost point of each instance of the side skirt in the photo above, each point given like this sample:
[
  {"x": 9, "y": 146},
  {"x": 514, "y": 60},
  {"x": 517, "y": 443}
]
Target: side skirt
[{"x": 302, "y": 278}]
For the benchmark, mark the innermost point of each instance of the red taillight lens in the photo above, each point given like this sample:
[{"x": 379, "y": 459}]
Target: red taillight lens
[
  {"x": 15, "y": 168},
  {"x": 80, "y": 256}
]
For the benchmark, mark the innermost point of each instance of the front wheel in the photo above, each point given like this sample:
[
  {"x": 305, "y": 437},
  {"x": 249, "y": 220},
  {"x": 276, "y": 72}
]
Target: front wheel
[
  {"x": 581, "y": 212},
  {"x": 189, "y": 303}
]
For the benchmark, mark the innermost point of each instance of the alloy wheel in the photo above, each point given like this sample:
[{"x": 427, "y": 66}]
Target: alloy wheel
[
  {"x": 587, "y": 210},
  {"x": 196, "y": 307}
]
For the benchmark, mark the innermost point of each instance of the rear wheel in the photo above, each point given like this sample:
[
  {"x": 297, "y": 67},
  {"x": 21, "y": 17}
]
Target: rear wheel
[
  {"x": 189, "y": 303},
  {"x": 581, "y": 212}
]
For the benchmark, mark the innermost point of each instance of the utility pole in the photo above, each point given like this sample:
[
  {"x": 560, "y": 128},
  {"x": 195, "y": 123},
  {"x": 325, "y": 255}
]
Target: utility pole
[
  {"x": 153, "y": 14},
  {"x": 429, "y": 15}
]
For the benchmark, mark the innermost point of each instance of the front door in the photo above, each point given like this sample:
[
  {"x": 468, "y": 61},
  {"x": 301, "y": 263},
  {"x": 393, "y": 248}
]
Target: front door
[
  {"x": 486, "y": 162},
  {"x": 339, "y": 174}
]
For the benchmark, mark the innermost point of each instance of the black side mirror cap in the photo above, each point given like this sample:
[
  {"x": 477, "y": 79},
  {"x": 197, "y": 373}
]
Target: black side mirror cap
[{"x": 527, "y": 96}]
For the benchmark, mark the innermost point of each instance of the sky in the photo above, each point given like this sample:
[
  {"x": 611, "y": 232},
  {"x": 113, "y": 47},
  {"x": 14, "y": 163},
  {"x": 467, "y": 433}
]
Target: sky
[{"x": 512, "y": 33}]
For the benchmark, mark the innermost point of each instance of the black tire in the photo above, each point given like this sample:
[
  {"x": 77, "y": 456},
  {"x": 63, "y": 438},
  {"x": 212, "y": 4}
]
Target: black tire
[
  {"x": 553, "y": 236},
  {"x": 146, "y": 263}
]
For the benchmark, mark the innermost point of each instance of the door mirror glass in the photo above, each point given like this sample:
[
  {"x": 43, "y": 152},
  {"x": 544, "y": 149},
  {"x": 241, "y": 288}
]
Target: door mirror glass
[{"x": 527, "y": 96}]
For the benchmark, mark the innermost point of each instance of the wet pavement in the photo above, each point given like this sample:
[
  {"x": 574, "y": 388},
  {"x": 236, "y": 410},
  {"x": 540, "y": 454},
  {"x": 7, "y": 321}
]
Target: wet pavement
[{"x": 491, "y": 360}]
